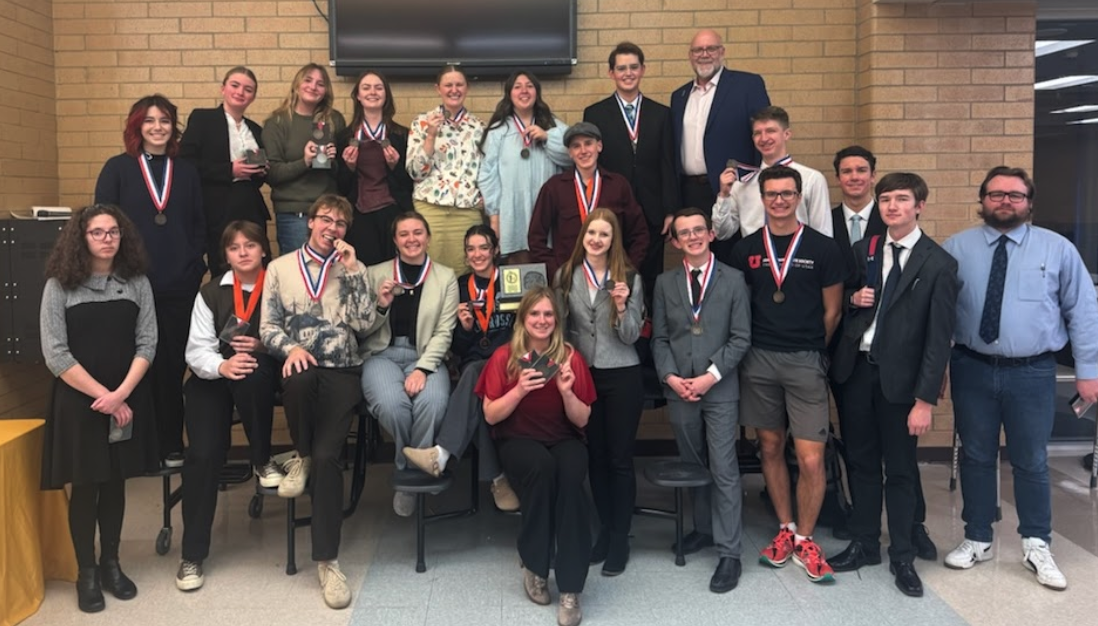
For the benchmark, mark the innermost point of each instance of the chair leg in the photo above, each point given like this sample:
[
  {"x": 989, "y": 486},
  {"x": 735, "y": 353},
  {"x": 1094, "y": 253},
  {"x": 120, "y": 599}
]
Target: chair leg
[
  {"x": 680, "y": 559},
  {"x": 291, "y": 531},
  {"x": 421, "y": 528}
]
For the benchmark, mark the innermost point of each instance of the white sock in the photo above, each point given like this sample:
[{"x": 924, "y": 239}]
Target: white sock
[
  {"x": 790, "y": 526},
  {"x": 443, "y": 457},
  {"x": 798, "y": 539}
]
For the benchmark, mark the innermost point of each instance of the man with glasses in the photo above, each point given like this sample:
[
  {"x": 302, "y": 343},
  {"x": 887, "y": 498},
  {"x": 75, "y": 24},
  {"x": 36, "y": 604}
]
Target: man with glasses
[
  {"x": 795, "y": 275},
  {"x": 637, "y": 143},
  {"x": 1003, "y": 367},
  {"x": 317, "y": 307},
  {"x": 711, "y": 121},
  {"x": 701, "y": 329},
  {"x": 739, "y": 210}
]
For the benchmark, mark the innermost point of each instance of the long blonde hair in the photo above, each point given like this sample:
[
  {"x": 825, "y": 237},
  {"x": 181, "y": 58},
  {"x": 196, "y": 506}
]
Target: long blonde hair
[
  {"x": 616, "y": 260},
  {"x": 323, "y": 112},
  {"x": 559, "y": 350}
]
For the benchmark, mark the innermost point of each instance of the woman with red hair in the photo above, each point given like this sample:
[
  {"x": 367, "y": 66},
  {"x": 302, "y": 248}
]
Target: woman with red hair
[{"x": 162, "y": 196}]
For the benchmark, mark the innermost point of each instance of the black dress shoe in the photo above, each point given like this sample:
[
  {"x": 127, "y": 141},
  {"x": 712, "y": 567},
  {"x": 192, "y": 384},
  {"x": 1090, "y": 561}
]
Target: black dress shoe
[
  {"x": 693, "y": 542},
  {"x": 601, "y": 547},
  {"x": 89, "y": 596},
  {"x": 617, "y": 556},
  {"x": 924, "y": 547},
  {"x": 727, "y": 575},
  {"x": 115, "y": 581},
  {"x": 856, "y": 556},
  {"x": 907, "y": 580}
]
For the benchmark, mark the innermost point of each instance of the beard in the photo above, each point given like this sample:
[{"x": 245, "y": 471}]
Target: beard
[
  {"x": 1005, "y": 223},
  {"x": 706, "y": 72}
]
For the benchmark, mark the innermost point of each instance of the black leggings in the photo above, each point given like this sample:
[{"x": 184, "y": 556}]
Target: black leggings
[{"x": 102, "y": 503}]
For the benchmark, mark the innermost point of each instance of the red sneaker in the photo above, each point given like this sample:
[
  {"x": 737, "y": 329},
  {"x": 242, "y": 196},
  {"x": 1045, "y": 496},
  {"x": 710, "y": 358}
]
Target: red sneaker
[
  {"x": 809, "y": 556},
  {"x": 779, "y": 550}
]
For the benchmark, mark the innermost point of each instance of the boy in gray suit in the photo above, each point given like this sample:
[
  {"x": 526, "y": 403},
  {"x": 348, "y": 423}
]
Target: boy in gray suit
[{"x": 701, "y": 328}]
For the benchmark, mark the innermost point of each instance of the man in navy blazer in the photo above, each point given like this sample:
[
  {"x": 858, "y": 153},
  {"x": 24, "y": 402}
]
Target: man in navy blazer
[{"x": 711, "y": 122}]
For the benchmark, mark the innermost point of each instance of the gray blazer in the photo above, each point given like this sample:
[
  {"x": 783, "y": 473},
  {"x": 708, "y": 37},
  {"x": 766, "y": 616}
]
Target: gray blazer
[
  {"x": 726, "y": 329},
  {"x": 588, "y": 324}
]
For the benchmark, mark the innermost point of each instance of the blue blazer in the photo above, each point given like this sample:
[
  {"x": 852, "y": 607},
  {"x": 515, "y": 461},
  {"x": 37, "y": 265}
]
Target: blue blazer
[{"x": 728, "y": 130}]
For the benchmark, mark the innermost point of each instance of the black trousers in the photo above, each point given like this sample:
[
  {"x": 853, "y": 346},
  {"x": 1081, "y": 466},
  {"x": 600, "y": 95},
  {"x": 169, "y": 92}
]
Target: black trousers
[
  {"x": 209, "y": 416},
  {"x": 698, "y": 194},
  {"x": 875, "y": 430},
  {"x": 464, "y": 424},
  {"x": 549, "y": 482},
  {"x": 371, "y": 234},
  {"x": 611, "y": 440},
  {"x": 173, "y": 321},
  {"x": 320, "y": 406},
  {"x": 91, "y": 504}
]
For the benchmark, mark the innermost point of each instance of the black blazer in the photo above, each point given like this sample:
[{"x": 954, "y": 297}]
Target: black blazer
[
  {"x": 205, "y": 144},
  {"x": 914, "y": 350},
  {"x": 400, "y": 183},
  {"x": 875, "y": 226},
  {"x": 728, "y": 129},
  {"x": 651, "y": 169}
]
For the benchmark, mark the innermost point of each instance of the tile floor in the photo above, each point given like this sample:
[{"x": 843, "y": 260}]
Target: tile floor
[{"x": 473, "y": 575}]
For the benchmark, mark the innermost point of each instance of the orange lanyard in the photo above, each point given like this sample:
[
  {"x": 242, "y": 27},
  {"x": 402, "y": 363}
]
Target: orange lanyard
[
  {"x": 245, "y": 314},
  {"x": 483, "y": 316}
]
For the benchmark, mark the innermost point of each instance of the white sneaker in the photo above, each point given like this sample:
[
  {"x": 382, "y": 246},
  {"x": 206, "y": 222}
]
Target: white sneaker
[
  {"x": 404, "y": 504},
  {"x": 967, "y": 554},
  {"x": 189, "y": 576},
  {"x": 297, "y": 474},
  {"x": 1038, "y": 559},
  {"x": 337, "y": 595},
  {"x": 270, "y": 474}
]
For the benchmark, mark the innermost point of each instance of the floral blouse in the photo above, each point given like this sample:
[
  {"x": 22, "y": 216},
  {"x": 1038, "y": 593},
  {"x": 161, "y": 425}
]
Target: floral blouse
[{"x": 449, "y": 176}]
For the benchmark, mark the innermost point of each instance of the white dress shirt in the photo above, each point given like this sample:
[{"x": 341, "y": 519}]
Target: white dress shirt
[
  {"x": 202, "y": 353},
  {"x": 712, "y": 369},
  {"x": 884, "y": 256},
  {"x": 743, "y": 208},
  {"x": 241, "y": 140},
  {"x": 694, "y": 119}
]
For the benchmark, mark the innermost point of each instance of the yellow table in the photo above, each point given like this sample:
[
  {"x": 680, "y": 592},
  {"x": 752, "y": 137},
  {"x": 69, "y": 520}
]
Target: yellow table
[{"x": 34, "y": 525}]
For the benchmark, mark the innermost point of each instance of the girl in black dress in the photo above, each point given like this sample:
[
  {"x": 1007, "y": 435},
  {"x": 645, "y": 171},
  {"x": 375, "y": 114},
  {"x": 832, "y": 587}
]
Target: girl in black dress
[{"x": 98, "y": 331}]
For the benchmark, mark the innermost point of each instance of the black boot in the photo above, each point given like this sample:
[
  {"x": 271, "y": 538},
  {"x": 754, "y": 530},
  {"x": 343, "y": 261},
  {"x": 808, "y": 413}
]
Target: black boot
[
  {"x": 617, "y": 555},
  {"x": 89, "y": 596},
  {"x": 115, "y": 581}
]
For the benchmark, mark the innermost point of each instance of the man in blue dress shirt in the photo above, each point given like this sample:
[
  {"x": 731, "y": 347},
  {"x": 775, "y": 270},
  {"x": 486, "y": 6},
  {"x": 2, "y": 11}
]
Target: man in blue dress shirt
[{"x": 1002, "y": 368}]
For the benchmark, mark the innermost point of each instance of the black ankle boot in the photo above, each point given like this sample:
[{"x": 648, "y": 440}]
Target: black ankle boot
[
  {"x": 617, "y": 555},
  {"x": 115, "y": 581},
  {"x": 89, "y": 596}
]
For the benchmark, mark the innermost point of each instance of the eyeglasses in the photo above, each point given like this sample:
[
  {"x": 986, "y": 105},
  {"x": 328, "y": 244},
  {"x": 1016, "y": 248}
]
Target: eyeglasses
[
  {"x": 326, "y": 221},
  {"x": 998, "y": 196},
  {"x": 633, "y": 67},
  {"x": 98, "y": 234},
  {"x": 687, "y": 233},
  {"x": 786, "y": 195},
  {"x": 709, "y": 50}
]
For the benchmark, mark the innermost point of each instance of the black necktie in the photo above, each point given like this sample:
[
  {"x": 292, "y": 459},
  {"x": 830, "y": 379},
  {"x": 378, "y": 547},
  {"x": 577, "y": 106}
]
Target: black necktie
[
  {"x": 890, "y": 285},
  {"x": 695, "y": 286},
  {"x": 993, "y": 300}
]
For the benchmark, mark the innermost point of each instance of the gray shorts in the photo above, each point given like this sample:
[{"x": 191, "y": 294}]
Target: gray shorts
[{"x": 774, "y": 385}]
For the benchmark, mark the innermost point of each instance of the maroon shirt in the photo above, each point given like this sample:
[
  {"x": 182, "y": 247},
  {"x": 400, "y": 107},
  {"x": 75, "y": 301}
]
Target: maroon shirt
[
  {"x": 540, "y": 415},
  {"x": 557, "y": 213}
]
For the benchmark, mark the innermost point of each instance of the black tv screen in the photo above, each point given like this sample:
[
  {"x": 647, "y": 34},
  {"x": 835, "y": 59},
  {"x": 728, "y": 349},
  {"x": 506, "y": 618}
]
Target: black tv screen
[{"x": 485, "y": 37}]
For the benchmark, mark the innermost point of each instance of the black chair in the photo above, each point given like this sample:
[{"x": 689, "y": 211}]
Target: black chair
[{"x": 678, "y": 476}]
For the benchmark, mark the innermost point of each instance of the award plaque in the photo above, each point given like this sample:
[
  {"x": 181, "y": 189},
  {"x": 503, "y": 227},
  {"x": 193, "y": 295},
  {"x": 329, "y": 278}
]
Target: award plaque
[
  {"x": 322, "y": 139},
  {"x": 517, "y": 280}
]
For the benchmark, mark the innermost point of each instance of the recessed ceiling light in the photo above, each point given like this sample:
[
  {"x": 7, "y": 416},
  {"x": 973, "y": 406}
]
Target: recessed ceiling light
[
  {"x": 1052, "y": 46},
  {"x": 1066, "y": 81},
  {"x": 1091, "y": 120},
  {"x": 1086, "y": 108}
]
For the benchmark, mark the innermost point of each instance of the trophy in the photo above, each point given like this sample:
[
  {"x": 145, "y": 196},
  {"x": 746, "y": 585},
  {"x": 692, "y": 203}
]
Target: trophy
[
  {"x": 256, "y": 157},
  {"x": 322, "y": 140}
]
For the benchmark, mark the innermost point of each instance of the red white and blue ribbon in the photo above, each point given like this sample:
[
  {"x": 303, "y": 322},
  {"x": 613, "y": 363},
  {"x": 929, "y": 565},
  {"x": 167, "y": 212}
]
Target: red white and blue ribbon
[
  {"x": 592, "y": 278},
  {"x": 159, "y": 196},
  {"x": 398, "y": 275},
  {"x": 377, "y": 134},
  {"x": 315, "y": 288},
  {"x": 521, "y": 130},
  {"x": 458, "y": 117},
  {"x": 632, "y": 126},
  {"x": 779, "y": 268},
  {"x": 706, "y": 278},
  {"x": 587, "y": 204}
]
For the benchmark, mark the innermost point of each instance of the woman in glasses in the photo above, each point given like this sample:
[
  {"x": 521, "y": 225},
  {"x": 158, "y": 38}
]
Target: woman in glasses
[
  {"x": 162, "y": 196},
  {"x": 99, "y": 427},
  {"x": 523, "y": 146},
  {"x": 443, "y": 160},
  {"x": 227, "y": 148},
  {"x": 405, "y": 383}
]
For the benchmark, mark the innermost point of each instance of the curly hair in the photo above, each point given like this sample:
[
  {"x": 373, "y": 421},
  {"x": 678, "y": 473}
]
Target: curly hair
[
  {"x": 131, "y": 135},
  {"x": 70, "y": 260}
]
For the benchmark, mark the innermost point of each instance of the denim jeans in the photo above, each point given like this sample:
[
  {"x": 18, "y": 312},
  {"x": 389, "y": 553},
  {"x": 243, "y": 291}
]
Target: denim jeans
[
  {"x": 292, "y": 231},
  {"x": 1021, "y": 399}
]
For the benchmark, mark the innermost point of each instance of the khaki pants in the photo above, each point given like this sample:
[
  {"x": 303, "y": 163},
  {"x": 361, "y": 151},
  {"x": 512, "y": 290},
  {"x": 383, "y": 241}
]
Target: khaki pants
[{"x": 448, "y": 226}]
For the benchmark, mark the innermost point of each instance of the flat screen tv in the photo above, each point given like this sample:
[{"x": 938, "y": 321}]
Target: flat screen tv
[{"x": 485, "y": 37}]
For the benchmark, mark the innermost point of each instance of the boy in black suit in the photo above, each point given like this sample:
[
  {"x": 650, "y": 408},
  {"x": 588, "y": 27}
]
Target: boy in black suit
[{"x": 889, "y": 365}]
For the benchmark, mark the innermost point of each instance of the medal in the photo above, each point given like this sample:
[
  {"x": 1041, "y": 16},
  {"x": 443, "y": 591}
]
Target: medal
[
  {"x": 523, "y": 135},
  {"x": 402, "y": 285},
  {"x": 318, "y": 131},
  {"x": 376, "y": 134},
  {"x": 353, "y": 142},
  {"x": 454, "y": 118},
  {"x": 525, "y": 153},
  {"x": 314, "y": 288},
  {"x": 587, "y": 203},
  {"x": 631, "y": 126},
  {"x": 779, "y": 268},
  {"x": 397, "y": 290},
  {"x": 159, "y": 195},
  {"x": 484, "y": 343},
  {"x": 695, "y": 307},
  {"x": 385, "y": 143},
  {"x": 696, "y": 330},
  {"x": 488, "y": 297}
]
